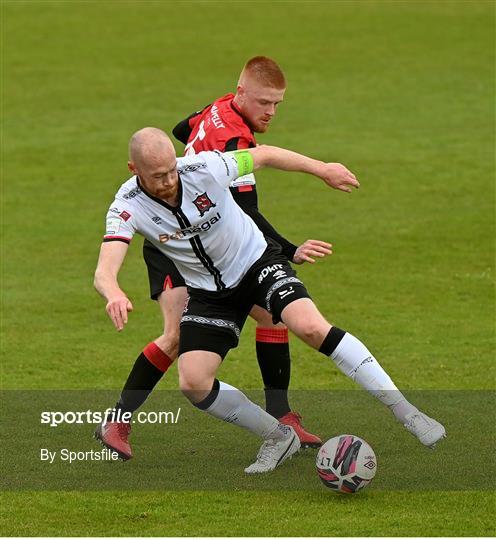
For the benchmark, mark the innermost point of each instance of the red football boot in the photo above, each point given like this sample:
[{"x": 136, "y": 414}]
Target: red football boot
[
  {"x": 307, "y": 440},
  {"x": 114, "y": 436}
]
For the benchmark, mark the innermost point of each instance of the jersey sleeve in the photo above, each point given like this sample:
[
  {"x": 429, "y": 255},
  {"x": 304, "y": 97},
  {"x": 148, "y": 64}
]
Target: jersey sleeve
[
  {"x": 119, "y": 224},
  {"x": 226, "y": 167},
  {"x": 183, "y": 129},
  {"x": 243, "y": 141},
  {"x": 239, "y": 143}
]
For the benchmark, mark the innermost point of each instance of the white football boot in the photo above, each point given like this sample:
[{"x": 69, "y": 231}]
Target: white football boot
[
  {"x": 427, "y": 430},
  {"x": 273, "y": 452}
]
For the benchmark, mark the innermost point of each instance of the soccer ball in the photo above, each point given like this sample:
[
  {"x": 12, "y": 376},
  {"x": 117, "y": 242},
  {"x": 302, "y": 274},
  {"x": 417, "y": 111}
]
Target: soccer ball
[{"x": 346, "y": 463}]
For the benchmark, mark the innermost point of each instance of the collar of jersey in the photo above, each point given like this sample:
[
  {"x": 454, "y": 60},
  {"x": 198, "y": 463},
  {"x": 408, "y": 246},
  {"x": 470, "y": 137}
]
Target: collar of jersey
[{"x": 173, "y": 209}]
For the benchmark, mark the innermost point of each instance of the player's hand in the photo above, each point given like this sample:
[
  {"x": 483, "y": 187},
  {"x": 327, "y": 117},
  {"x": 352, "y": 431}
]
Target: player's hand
[
  {"x": 339, "y": 177},
  {"x": 117, "y": 309},
  {"x": 310, "y": 249}
]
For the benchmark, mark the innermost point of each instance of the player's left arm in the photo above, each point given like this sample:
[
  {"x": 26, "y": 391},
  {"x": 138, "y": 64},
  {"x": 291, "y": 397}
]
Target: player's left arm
[
  {"x": 182, "y": 130},
  {"x": 248, "y": 202},
  {"x": 226, "y": 167},
  {"x": 334, "y": 175},
  {"x": 306, "y": 252}
]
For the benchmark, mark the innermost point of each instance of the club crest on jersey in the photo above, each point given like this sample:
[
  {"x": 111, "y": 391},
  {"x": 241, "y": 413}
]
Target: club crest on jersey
[
  {"x": 203, "y": 203},
  {"x": 125, "y": 215}
]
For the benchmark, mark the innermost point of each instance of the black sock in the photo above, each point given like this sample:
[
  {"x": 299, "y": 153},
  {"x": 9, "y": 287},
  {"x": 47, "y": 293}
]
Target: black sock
[
  {"x": 140, "y": 382},
  {"x": 332, "y": 340},
  {"x": 275, "y": 365}
]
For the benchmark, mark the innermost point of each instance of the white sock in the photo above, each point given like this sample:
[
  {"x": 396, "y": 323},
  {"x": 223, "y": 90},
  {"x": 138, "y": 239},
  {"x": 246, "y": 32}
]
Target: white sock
[
  {"x": 357, "y": 362},
  {"x": 232, "y": 406}
]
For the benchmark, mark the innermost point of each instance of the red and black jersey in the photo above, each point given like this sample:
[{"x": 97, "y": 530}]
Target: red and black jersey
[
  {"x": 221, "y": 126},
  {"x": 218, "y": 126}
]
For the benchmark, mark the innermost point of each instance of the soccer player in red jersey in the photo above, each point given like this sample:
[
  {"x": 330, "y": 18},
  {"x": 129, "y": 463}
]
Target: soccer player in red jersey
[{"x": 229, "y": 123}]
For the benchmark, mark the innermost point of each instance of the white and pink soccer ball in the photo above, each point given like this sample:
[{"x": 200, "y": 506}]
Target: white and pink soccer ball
[{"x": 346, "y": 463}]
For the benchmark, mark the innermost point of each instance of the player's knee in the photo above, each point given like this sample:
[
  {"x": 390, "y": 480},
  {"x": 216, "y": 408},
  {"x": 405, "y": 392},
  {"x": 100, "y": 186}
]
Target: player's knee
[
  {"x": 192, "y": 382},
  {"x": 311, "y": 333},
  {"x": 169, "y": 341},
  {"x": 264, "y": 318},
  {"x": 188, "y": 381}
]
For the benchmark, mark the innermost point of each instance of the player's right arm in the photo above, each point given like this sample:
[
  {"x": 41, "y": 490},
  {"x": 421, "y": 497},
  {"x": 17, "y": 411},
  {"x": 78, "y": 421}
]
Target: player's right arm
[{"x": 112, "y": 255}]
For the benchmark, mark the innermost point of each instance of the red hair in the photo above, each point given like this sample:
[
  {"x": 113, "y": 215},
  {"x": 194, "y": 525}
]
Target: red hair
[{"x": 265, "y": 71}]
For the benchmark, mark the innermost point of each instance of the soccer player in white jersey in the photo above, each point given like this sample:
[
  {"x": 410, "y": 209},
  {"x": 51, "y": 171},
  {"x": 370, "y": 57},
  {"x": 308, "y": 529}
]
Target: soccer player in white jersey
[
  {"x": 229, "y": 123},
  {"x": 184, "y": 207}
]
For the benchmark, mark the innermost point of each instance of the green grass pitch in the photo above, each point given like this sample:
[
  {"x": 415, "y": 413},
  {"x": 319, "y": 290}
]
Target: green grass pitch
[{"x": 400, "y": 91}]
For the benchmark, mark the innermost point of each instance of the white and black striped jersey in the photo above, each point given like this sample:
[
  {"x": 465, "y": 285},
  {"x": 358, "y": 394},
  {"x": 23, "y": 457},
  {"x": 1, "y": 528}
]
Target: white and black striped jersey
[{"x": 210, "y": 239}]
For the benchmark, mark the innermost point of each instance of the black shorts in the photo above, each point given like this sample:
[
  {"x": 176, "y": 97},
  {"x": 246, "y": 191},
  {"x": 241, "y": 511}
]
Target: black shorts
[
  {"x": 213, "y": 320},
  {"x": 162, "y": 272}
]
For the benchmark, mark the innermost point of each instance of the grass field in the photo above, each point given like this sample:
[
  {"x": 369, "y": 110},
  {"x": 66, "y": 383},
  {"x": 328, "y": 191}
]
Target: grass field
[{"x": 401, "y": 92}]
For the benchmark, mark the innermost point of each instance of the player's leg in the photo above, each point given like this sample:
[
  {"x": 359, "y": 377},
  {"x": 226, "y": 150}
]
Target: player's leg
[
  {"x": 285, "y": 296},
  {"x": 353, "y": 358},
  {"x": 208, "y": 331},
  {"x": 197, "y": 381},
  {"x": 272, "y": 346},
  {"x": 146, "y": 372},
  {"x": 158, "y": 355},
  {"x": 168, "y": 287}
]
